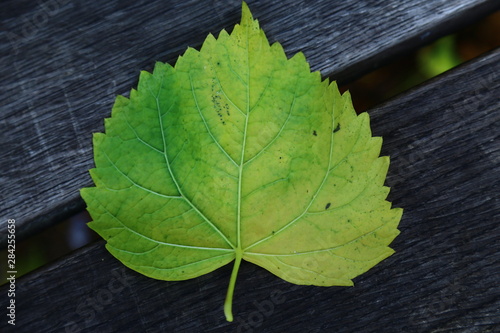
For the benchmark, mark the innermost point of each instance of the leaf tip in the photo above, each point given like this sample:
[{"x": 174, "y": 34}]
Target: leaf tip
[
  {"x": 346, "y": 95},
  {"x": 398, "y": 211},
  {"x": 84, "y": 192},
  {"x": 333, "y": 85},
  {"x": 246, "y": 15}
]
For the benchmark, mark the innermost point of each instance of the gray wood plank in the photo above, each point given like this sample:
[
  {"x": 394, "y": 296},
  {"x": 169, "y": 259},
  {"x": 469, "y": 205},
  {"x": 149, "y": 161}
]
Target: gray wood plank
[
  {"x": 443, "y": 141},
  {"x": 63, "y": 62}
]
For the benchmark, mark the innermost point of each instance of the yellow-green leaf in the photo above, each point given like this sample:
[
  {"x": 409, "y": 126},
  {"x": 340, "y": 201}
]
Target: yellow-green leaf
[{"x": 238, "y": 153}]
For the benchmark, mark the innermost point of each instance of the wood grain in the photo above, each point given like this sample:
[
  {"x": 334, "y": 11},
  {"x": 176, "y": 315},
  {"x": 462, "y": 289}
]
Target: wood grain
[
  {"x": 443, "y": 141},
  {"x": 65, "y": 61}
]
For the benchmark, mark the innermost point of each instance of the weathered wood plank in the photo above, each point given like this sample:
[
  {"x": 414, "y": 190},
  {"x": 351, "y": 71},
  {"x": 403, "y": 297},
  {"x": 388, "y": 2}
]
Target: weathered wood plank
[
  {"x": 443, "y": 139},
  {"x": 64, "y": 62}
]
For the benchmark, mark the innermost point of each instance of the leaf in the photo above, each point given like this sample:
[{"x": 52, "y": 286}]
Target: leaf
[{"x": 240, "y": 153}]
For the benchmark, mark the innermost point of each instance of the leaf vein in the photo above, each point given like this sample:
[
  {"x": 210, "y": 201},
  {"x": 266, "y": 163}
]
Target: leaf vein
[
  {"x": 137, "y": 185},
  {"x": 160, "y": 242},
  {"x": 224, "y": 92},
  {"x": 313, "y": 197},
  {"x": 206, "y": 124},
  {"x": 277, "y": 135},
  {"x": 322, "y": 250},
  {"x": 185, "y": 265},
  {"x": 174, "y": 179}
]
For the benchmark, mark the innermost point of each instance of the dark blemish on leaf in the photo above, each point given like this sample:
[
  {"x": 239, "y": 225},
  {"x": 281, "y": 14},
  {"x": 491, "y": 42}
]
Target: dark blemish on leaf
[
  {"x": 314, "y": 133},
  {"x": 336, "y": 129},
  {"x": 273, "y": 232},
  {"x": 328, "y": 205},
  {"x": 349, "y": 221},
  {"x": 219, "y": 106},
  {"x": 281, "y": 157},
  {"x": 218, "y": 63}
]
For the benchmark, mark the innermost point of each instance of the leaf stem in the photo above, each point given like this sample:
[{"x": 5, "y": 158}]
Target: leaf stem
[{"x": 228, "y": 303}]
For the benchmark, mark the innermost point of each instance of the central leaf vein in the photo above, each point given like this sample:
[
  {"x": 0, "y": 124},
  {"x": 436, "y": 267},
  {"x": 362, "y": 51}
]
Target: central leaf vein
[{"x": 243, "y": 145}]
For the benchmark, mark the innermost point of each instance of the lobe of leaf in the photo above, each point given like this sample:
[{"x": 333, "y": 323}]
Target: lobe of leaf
[{"x": 240, "y": 153}]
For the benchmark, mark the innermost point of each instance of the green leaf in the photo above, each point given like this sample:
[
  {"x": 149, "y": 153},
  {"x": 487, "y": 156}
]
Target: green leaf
[{"x": 240, "y": 153}]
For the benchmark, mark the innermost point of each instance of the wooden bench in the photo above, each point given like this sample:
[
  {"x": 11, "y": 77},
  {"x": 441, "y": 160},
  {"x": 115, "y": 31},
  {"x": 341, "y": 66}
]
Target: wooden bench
[{"x": 64, "y": 62}]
